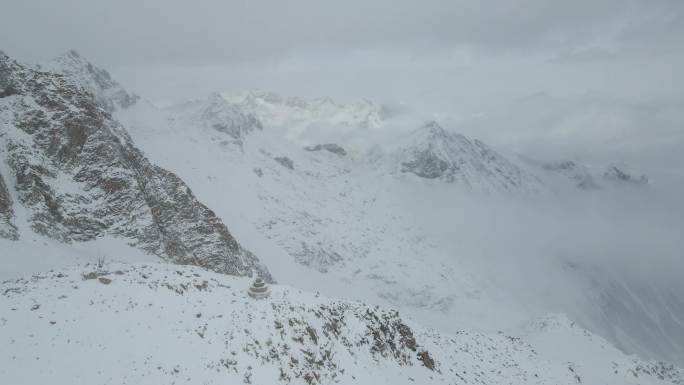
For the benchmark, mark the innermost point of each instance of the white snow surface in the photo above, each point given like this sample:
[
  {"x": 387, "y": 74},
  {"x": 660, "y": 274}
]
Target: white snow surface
[{"x": 161, "y": 323}]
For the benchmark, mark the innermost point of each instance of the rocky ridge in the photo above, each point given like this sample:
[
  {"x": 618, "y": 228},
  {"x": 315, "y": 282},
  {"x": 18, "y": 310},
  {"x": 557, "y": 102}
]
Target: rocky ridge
[
  {"x": 431, "y": 152},
  {"x": 79, "y": 176},
  {"x": 108, "y": 93}
]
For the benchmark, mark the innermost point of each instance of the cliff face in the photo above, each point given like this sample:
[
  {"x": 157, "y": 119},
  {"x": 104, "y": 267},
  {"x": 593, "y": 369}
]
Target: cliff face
[
  {"x": 79, "y": 176},
  {"x": 7, "y": 228}
]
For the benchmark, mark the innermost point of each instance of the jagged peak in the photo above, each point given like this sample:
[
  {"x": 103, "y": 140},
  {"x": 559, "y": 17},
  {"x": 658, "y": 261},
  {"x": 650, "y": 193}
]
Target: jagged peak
[
  {"x": 433, "y": 152},
  {"x": 434, "y": 132},
  {"x": 71, "y": 61},
  {"x": 217, "y": 113},
  {"x": 108, "y": 92}
]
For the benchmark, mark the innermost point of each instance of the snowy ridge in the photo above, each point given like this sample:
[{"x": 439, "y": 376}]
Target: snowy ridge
[
  {"x": 584, "y": 177},
  {"x": 431, "y": 152},
  {"x": 212, "y": 332},
  {"x": 109, "y": 94}
]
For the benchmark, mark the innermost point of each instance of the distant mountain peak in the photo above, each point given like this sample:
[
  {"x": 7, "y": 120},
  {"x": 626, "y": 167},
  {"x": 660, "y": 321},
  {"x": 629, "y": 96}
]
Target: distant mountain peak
[
  {"x": 432, "y": 152},
  {"x": 274, "y": 109},
  {"x": 217, "y": 113}
]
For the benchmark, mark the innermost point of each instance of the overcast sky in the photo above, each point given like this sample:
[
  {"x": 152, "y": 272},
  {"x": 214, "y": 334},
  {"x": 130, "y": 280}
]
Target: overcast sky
[{"x": 517, "y": 72}]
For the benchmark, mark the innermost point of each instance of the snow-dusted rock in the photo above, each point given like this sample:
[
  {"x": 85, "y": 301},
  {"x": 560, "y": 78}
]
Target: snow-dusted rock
[
  {"x": 79, "y": 176},
  {"x": 431, "y": 152},
  {"x": 215, "y": 113},
  {"x": 331, "y": 147},
  {"x": 151, "y": 324},
  {"x": 617, "y": 175},
  {"x": 109, "y": 94}
]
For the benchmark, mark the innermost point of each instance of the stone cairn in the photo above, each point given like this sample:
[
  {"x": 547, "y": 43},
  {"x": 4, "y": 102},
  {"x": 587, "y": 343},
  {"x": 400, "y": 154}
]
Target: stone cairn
[{"x": 259, "y": 289}]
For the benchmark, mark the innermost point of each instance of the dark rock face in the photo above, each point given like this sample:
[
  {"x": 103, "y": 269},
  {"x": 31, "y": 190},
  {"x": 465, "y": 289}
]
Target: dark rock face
[
  {"x": 80, "y": 176},
  {"x": 615, "y": 174},
  {"x": 426, "y": 164},
  {"x": 332, "y": 147},
  {"x": 285, "y": 161},
  {"x": 7, "y": 229}
]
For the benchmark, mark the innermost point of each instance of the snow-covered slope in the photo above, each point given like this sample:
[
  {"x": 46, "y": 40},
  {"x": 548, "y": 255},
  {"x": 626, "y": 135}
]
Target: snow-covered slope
[
  {"x": 151, "y": 324},
  {"x": 332, "y": 217}
]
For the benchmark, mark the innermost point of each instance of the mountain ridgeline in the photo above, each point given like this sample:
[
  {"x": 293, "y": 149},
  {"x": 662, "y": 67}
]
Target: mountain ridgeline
[{"x": 78, "y": 176}]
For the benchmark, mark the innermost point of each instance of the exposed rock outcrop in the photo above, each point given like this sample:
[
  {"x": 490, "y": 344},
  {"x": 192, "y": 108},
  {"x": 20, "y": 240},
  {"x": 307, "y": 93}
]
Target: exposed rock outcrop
[
  {"x": 285, "y": 162},
  {"x": 81, "y": 177},
  {"x": 615, "y": 174},
  {"x": 332, "y": 147}
]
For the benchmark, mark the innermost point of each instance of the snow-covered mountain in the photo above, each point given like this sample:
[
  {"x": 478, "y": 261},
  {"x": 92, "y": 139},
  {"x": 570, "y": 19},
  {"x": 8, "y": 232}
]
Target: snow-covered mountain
[
  {"x": 428, "y": 222},
  {"x": 215, "y": 113},
  {"x": 71, "y": 173},
  {"x": 87, "y": 324},
  {"x": 431, "y": 152}
]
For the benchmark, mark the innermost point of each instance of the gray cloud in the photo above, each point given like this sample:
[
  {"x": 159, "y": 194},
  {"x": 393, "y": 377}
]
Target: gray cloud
[{"x": 218, "y": 32}]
